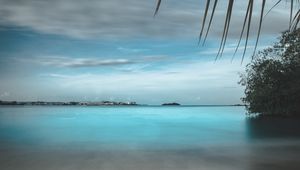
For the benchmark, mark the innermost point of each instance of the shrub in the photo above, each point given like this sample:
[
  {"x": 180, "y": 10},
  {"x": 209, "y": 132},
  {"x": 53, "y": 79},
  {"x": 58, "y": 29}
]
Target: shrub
[{"x": 272, "y": 79}]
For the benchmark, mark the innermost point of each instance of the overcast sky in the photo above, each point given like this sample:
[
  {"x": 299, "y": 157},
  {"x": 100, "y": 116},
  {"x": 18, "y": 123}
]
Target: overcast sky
[{"x": 63, "y": 50}]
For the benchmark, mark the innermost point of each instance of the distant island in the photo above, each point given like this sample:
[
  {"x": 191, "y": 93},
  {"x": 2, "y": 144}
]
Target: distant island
[
  {"x": 43, "y": 103},
  {"x": 96, "y": 103},
  {"x": 171, "y": 104}
]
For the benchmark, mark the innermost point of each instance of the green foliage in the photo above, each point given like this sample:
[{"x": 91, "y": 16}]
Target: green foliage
[{"x": 272, "y": 79}]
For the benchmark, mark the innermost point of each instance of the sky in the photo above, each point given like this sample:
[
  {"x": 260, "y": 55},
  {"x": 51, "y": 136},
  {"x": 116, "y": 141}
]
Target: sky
[{"x": 94, "y": 50}]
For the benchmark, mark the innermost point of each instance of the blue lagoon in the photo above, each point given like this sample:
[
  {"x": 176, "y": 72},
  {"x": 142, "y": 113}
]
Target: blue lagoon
[{"x": 140, "y": 137}]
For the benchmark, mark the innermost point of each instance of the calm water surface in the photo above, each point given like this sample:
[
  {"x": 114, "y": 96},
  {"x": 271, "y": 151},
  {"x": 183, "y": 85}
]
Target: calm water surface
[
  {"x": 34, "y": 137},
  {"x": 129, "y": 127}
]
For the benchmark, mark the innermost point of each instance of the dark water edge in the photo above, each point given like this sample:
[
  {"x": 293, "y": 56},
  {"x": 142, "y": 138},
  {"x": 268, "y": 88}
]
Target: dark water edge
[{"x": 273, "y": 127}]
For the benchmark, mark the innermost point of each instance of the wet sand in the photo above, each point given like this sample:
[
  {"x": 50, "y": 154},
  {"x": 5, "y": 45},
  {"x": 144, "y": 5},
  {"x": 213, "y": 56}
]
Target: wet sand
[{"x": 252, "y": 157}]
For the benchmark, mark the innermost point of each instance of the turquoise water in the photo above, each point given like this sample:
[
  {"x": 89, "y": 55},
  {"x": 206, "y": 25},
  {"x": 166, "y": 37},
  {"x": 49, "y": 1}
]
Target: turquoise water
[
  {"x": 145, "y": 138},
  {"x": 122, "y": 127}
]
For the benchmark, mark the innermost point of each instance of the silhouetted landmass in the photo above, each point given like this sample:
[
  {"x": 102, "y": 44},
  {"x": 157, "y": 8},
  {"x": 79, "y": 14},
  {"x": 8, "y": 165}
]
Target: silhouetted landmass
[
  {"x": 272, "y": 79},
  {"x": 43, "y": 103},
  {"x": 101, "y": 103},
  {"x": 239, "y": 105},
  {"x": 171, "y": 104}
]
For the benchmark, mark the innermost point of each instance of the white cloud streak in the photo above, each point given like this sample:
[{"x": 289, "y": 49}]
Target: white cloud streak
[
  {"x": 72, "y": 62},
  {"x": 199, "y": 78},
  {"x": 82, "y": 62}
]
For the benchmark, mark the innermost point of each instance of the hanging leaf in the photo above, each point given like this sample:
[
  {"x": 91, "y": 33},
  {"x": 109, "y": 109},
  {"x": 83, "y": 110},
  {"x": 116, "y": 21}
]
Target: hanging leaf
[{"x": 293, "y": 22}]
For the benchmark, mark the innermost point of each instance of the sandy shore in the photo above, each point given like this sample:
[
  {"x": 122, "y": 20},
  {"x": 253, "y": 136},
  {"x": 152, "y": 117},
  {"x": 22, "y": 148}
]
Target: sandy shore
[{"x": 256, "y": 157}]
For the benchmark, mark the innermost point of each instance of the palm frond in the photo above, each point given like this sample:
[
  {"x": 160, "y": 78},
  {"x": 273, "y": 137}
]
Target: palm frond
[
  {"x": 226, "y": 28},
  {"x": 260, "y": 25},
  {"x": 157, "y": 7},
  {"x": 243, "y": 30},
  {"x": 294, "y": 20},
  {"x": 204, "y": 19},
  {"x": 210, "y": 21},
  {"x": 291, "y": 14},
  {"x": 248, "y": 28},
  {"x": 277, "y": 3}
]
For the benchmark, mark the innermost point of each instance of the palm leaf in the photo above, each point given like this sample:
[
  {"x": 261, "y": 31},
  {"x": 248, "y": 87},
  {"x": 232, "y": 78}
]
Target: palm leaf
[
  {"x": 243, "y": 29},
  {"x": 260, "y": 25},
  {"x": 157, "y": 7},
  {"x": 226, "y": 28},
  {"x": 210, "y": 21},
  {"x": 248, "y": 29},
  {"x": 291, "y": 14},
  {"x": 272, "y": 7},
  {"x": 204, "y": 19},
  {"x": 294, "y": 20}
]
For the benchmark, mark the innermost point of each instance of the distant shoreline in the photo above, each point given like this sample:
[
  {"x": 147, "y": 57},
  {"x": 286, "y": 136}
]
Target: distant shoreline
[
  {"x": 71, "y": 103},
  {"x": 104, "y": 103}
]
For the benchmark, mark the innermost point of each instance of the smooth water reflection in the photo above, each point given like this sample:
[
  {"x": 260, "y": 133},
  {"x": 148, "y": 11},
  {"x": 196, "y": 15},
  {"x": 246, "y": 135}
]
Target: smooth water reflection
[
  {"x": 145, "y": 138},
  {"x": 129, "y": 127}
]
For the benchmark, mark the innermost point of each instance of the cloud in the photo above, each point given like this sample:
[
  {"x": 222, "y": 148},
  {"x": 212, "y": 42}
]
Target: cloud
[
  {"x": 4, "y": 94},
  {"x": 117, "y": 19},
  {"x": 131, "y": 50},
  {"x": 178, "y": 76},
  {"x": 80, "y": 62},
  {"x": 63, "y": 61},
  {"x": 180, "y": 82},
  {"x": 230, "y": 49},
  {"x": 71, "y": 62}
]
